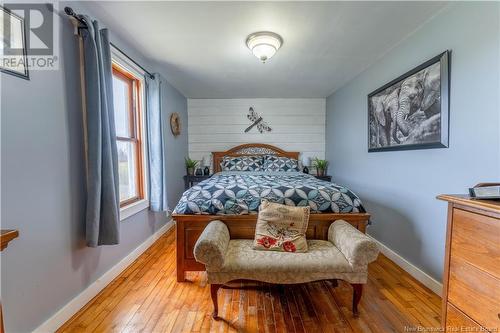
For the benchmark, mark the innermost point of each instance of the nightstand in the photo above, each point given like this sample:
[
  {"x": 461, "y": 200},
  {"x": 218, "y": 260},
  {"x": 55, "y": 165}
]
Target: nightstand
[
  {"x": 191, "y": 180},
  {"x": 325, "y": 178}
]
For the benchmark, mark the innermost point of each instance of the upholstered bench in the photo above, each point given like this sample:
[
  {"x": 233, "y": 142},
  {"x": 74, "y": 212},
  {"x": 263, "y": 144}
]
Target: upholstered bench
[{"x": 344, "y": 256}]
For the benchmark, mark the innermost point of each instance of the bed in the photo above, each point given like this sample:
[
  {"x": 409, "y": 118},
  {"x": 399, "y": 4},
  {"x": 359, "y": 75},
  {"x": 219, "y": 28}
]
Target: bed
[{"x": 234, "y": 196}]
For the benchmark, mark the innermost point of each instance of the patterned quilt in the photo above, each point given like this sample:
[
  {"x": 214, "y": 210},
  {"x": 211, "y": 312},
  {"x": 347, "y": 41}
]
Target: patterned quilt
[{"x": 235, "y": 193}]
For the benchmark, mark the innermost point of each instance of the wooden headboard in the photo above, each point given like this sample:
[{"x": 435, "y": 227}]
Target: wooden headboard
[{"x": 250, "y": 149}]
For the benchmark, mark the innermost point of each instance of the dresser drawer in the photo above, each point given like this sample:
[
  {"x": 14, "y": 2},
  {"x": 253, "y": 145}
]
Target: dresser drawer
[
  {"x": 474, "y": 292},
  {"x": 475, "y": 238},
  {"x": 457, "y": 321}
]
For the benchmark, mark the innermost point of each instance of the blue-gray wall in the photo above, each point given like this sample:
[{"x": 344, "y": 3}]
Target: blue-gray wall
[
  {"x": 42, "y": 192},
  {"x": 399, "y": 188},
  {"x": 176, "y": 148}
]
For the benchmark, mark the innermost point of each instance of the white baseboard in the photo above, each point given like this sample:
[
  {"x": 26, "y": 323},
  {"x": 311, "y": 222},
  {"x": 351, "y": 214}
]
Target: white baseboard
[
  {"x": 67, "y": 311},
  {"x": 411, "y": 269}
]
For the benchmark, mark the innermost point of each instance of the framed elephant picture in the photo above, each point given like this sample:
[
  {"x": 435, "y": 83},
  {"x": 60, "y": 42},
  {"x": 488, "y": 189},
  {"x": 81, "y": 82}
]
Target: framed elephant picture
[{"x": 412, "y": 111}]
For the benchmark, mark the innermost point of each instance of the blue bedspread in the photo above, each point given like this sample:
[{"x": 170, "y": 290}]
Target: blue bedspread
[{"x": 234, "y": 192}]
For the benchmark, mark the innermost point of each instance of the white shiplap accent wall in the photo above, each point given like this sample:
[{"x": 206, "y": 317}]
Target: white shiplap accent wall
[{"x": 298, "y": 124}]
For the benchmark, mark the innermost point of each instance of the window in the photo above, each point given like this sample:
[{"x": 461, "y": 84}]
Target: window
[{"x": 127, "y": 98}]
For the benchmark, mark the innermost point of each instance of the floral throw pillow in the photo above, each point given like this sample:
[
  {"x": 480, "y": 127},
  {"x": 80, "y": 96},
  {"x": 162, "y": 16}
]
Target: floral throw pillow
[
  {"x": 280, "y": 163},
  {"x": 243, "y": 163},
  {"x": 281, "y": 228}
]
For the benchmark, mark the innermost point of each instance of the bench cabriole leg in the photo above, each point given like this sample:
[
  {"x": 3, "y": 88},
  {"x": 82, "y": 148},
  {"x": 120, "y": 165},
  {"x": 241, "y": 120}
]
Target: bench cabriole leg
[
  {"x": 356, "y": 297},
  {"x": 213, "y": 293}
]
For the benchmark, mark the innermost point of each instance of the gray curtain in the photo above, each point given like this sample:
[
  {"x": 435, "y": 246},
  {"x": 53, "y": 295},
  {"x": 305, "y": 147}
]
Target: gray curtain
[
  {"x": 103, "y": 199},
  {"x": 156, "y": 152}
]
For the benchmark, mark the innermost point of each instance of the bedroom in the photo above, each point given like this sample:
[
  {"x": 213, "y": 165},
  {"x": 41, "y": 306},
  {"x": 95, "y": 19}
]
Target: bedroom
[{"x": 90, "y": 183}]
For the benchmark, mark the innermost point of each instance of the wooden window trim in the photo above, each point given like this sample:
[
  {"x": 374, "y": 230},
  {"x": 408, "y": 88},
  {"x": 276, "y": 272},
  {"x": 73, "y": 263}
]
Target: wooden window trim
[{"x": 135, "y": 129}]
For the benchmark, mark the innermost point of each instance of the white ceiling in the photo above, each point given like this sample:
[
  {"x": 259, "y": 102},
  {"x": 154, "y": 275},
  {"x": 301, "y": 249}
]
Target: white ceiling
[{"x": 202, "y": 44}]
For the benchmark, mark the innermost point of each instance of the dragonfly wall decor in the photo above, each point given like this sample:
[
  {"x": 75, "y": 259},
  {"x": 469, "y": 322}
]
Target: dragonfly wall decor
[{"x": 257, "y": 120}]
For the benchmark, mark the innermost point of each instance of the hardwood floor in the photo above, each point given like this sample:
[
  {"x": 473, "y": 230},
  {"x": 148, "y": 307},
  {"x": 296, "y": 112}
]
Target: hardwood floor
[{"x": 147, "y": 298}]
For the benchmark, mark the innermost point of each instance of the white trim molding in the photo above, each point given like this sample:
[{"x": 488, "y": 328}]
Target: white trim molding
[
  {"x": 73, "y": 306},
  {"x": 417, "y": 273},
  {"x": 133, "y": 208}
]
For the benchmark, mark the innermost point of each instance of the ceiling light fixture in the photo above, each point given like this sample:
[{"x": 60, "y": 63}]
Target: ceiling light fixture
[{"x": 264, "y": 44}]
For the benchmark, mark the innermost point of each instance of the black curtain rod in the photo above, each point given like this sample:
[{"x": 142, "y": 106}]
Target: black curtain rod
[{"x": 70, "y": 12}]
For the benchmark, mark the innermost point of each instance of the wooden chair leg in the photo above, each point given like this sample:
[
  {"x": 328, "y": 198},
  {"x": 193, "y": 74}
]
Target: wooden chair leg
[
  {"x": 356, "y": 297},
  {"x": 213, "y": 293}
]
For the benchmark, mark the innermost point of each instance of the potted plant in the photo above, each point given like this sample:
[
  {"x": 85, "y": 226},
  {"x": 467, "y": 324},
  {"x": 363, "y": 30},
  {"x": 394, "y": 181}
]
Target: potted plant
[
  {"x": 321, "y": 166},
  {"x": 190, "y": 166}
]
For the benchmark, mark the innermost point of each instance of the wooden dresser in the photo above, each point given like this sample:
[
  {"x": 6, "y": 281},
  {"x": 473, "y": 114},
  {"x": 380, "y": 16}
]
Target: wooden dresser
[{"x": 471, "y": 280}]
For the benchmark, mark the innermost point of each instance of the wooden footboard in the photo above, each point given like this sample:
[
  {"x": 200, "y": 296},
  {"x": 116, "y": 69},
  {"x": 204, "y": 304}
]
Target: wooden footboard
[{"x": 189, "y": 228}]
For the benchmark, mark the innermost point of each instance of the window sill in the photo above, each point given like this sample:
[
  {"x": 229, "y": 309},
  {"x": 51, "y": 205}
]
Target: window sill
[{"x": 134, "y": 208}]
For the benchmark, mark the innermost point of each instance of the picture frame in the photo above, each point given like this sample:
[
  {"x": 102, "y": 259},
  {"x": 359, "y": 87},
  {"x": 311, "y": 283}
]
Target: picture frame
[
  {"x": 412, "y": 111},
  {"x": 13, "y": 44}
]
